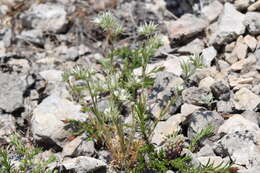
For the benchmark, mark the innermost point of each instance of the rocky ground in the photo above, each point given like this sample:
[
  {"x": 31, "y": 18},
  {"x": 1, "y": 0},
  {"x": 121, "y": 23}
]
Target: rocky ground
[{"x": 40, "y": 40}]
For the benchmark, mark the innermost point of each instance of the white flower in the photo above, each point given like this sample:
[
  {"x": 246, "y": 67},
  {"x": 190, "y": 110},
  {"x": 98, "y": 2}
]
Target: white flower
[{"x": 147, "y": 28}]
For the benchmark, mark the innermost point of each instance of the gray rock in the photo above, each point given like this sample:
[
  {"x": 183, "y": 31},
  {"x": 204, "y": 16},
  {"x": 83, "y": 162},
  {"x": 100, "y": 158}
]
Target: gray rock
[
  {"x": 194, "y": 161},
  {"x": 225, "y": 106},
  {"x": 223, "y": 65},
  {"x": 52, "y": 111},
  {"x": 208, "y": 55},
  {"x": 230, "y": 26},
  {"x": 46, "y": 17},
  {"x": 105, "y": 155},
  {"x": 34, "y": 36},
  {"x": 220, "y": 91},
  {"x": 71, "y": 53},
  {"x": 252, "y": 22},
  {"x": 86, "y": 148},
  {"x": 12, "y": 89},
  {"x": 241, "y": 141},
  {"x": 84, "y": 164},
  {"x": 207, "y": 150},
  {"x": 201, "y": 120},
  {"x": 6, "y": 36},
  {"x": 194, "y": 47},
  {"x": 195, "y": 96},
  {"x": 186, "y": 27},
  {"x": 164, "y": 90}
]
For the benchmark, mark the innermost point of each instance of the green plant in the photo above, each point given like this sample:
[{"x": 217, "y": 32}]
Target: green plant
[
  {"x": 125, "y": 90},
  {"x": 195, "y": 62},
  {"x": 27, "y": 162},
  {"x": 204, "y": 133},
  {"x": 6, "y": 165}
]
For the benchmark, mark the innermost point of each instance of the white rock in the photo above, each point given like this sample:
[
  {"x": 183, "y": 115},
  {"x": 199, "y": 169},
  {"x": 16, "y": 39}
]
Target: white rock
[
  {"x": 251, "y": 42},
  {"x": 230, "y": 26},
  {"x": 212, "y": 11},
  {"x": 52, "y": 75},
  {"x": 83, "y": 164},
  {"x": 237, "y": 123},
  {"x": 47, "y": 124},
  {"x": 208, "y": 55},
  {"x": 206, "y": 82},
  {"x": 165, "y": 128},
  {"x": 246, "y": 100}
]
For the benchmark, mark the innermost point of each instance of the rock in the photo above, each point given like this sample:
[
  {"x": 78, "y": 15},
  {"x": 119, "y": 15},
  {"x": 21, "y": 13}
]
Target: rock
[
  {"x": 230, "y": 26},
  {"x": 250, "y": 170},
  {"x": 171, "y": 65},
  {"x": 164, "y": 128},
  {"x": 223, "y": 65},
  {"x": 6, "y": 36},
  {"x": 46, "y": 17},
  {"x": 186, "y": 27},
  {"x": 237, "y": 81},
  {"x": 84, "y": 164},
  {"x": 215, "y": 160},
  {"x": 237, "y": 123},
  {"x": 86, "y": 148},
  {"x": 220, "y": 91},
  {"x": 225, "y": 106},
  {"x": 104, "y": 4},
  {"x": 231, "y": 58},
  {"x": 194, "y": 95},
  {"x": 241, "y": 141},
  {"x": 206, "y": 82},
  {"x": 212, "y": 11},
  {"x": 205, "y": 151},
  {"x": 104, "y": 155},
  {"x": 69, "y": 148},
  {"x": 246, "y": 100},
  {"x": 201, "y": 120},
  {"x": 194, "y": 161},
  {"x": 252, "y": 22},
  {"x": 194, "y": 47},
  {"x": 188, "y": 109},
  {"x": 208, "y": 55},
  {"x": 241, "y": 48},
  {"x": 164, "y": 90},
  {"x": 7, "y": 126},
  {"x": 252, "y": 116},
  {"x": 254, "y": 7},
  {"x": 229, "y": 47},
  {"x": 52, "y": 76},
  {"x": 251, "y": 42},
  {"x": 52, "y": 111},
  {"x": 71, "y": 53},
  {"x": 238, "y": 66},
  {"x": 34, "y": 36},
  {"x": 12, "y": 90},
  {"x": 242, "y": 4}
]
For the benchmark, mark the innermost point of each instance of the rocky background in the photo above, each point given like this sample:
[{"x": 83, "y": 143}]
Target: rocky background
[{"x": 41, "y": 39}]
